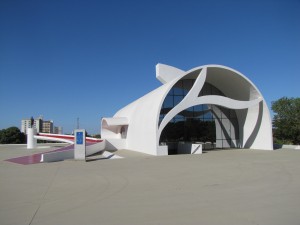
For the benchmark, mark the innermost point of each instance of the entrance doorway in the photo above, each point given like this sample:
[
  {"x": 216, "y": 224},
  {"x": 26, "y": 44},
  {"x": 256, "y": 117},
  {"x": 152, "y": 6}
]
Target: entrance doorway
[{"x": 210, "y": 125}]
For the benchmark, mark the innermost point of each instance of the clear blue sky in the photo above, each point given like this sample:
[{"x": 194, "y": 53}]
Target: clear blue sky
[{"x": 87, "y": 59}]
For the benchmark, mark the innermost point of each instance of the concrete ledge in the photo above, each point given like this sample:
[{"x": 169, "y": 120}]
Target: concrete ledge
[
  {"x": 57, "y": 156},
  {"x": 291, "y": 146},
  {"x": 189, "y": 148}
]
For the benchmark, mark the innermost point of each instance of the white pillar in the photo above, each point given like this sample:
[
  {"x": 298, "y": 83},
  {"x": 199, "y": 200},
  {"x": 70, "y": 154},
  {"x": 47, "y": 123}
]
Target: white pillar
[
  {"x": 31, "y": 141},
  {"x": 79, "y": 145}
]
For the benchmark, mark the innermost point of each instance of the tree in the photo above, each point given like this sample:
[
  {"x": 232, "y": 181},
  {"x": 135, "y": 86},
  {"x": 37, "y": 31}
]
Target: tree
[
  {"x": 12, "y": 135},
  {"x": 97, "y": 136},
  {"x": 286, "y": 121}
]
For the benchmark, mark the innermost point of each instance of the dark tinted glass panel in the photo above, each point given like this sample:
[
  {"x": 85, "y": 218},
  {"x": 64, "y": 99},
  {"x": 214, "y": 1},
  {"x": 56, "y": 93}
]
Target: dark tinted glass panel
[
  {"x": 177, "y": 99},
  {"x": 175, "y": 96},
  {"x": 178, "y": 91},
  {"x": 197, "y": 123},
  {"x": 168, "y": 103}
]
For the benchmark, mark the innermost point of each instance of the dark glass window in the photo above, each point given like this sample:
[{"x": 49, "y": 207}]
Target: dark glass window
[
  {"x": 175, "y": 96},
  {"x": 197, "y": 123}
]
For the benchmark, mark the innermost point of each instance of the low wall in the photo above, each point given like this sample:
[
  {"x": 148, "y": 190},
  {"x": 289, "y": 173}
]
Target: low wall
[
  {"x": 57, "y": 156},
  {"x": 115, "y": 144},
  {"x": 291, "y": 146},
  {"x": 162, "y": 150},
  {"x": 189, "y": 148}
]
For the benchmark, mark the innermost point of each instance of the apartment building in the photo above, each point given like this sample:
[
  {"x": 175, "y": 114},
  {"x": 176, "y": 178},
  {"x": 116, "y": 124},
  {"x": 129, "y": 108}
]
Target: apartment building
[{"x": 42, "y": 126}]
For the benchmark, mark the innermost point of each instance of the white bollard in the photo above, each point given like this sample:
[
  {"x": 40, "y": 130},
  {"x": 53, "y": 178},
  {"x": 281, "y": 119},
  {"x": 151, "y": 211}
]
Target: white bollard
[{"x": 31, "y": 141}]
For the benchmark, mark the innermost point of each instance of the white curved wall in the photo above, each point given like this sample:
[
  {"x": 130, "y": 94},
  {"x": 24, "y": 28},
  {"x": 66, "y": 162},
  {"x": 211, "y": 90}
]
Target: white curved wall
[
  {"x": 143, "y": 119},
  {"x": 143, "y": 132}
]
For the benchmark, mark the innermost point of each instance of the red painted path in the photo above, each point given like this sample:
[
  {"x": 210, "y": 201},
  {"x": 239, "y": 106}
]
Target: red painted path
[{"x": 36, "y": 158}]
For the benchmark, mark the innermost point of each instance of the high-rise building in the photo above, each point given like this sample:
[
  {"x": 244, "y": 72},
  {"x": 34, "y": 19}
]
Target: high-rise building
[
  {"x": 47, "y": 126},
  {"x": 42, "y": 126},
  {"x": 37, "y": 123},
  {"x": 25, "y": 123},
  {"x": 58, "y": 130}
]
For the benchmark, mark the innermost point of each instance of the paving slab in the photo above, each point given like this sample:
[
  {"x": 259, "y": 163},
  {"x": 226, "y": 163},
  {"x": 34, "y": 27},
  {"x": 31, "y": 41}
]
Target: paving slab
[{"x": 217, "y": 187}]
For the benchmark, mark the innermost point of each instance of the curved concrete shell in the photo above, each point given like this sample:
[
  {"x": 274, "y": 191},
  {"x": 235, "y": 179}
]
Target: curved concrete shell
[{"x": 239, "y": 111}]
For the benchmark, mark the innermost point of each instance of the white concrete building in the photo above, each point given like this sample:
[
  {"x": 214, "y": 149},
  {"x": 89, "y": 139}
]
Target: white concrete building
[
  {"x": 40, "y": 125},
  {"x": 48, "y": 127},
  {"x": 213, "y": 104},
  {"x": 58, "y": 130},
  {"x": 26, "y": 123}
]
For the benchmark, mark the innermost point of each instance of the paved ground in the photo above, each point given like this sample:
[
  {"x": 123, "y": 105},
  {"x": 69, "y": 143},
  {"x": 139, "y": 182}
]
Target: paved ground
[{"x": 218, "y": 187}]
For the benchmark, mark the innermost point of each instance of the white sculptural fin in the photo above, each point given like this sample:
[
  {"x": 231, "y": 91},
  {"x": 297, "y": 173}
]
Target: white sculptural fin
[{"x": 166, "y": 73}]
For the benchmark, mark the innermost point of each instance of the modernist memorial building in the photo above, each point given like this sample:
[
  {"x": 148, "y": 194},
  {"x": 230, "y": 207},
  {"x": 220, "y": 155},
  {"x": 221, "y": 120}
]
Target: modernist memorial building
[{"x": 207, "y": 105}]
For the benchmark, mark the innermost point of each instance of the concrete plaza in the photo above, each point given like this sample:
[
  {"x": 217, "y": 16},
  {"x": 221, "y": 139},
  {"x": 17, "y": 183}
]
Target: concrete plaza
[{"x": 217, "y": 187}]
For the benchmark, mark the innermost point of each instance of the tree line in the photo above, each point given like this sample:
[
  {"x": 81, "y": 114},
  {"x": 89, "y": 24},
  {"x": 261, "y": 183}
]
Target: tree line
[
  {"x": 286, "y": 121},
  {"x": 12, "y": 135}
]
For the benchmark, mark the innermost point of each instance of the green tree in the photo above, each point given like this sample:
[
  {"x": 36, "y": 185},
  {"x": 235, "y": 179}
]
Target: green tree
[
  {"x": 97, "y": 136},
  {"x": 286, "y": 121},
  {"x": 12, "y": 135}
]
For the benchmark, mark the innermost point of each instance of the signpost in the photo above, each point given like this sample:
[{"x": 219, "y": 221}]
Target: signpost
[{"x": 79, "y": 144}]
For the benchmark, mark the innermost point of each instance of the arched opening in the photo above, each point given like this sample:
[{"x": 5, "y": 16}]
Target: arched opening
[
  {"x": 193, "y": 125},
  {"x": 123, "y": 131},
  {"x": 210, "y": 125}
]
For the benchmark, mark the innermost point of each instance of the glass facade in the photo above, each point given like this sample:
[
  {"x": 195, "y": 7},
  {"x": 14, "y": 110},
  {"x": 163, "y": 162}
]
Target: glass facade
[{"x": 200, "y": 123}]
